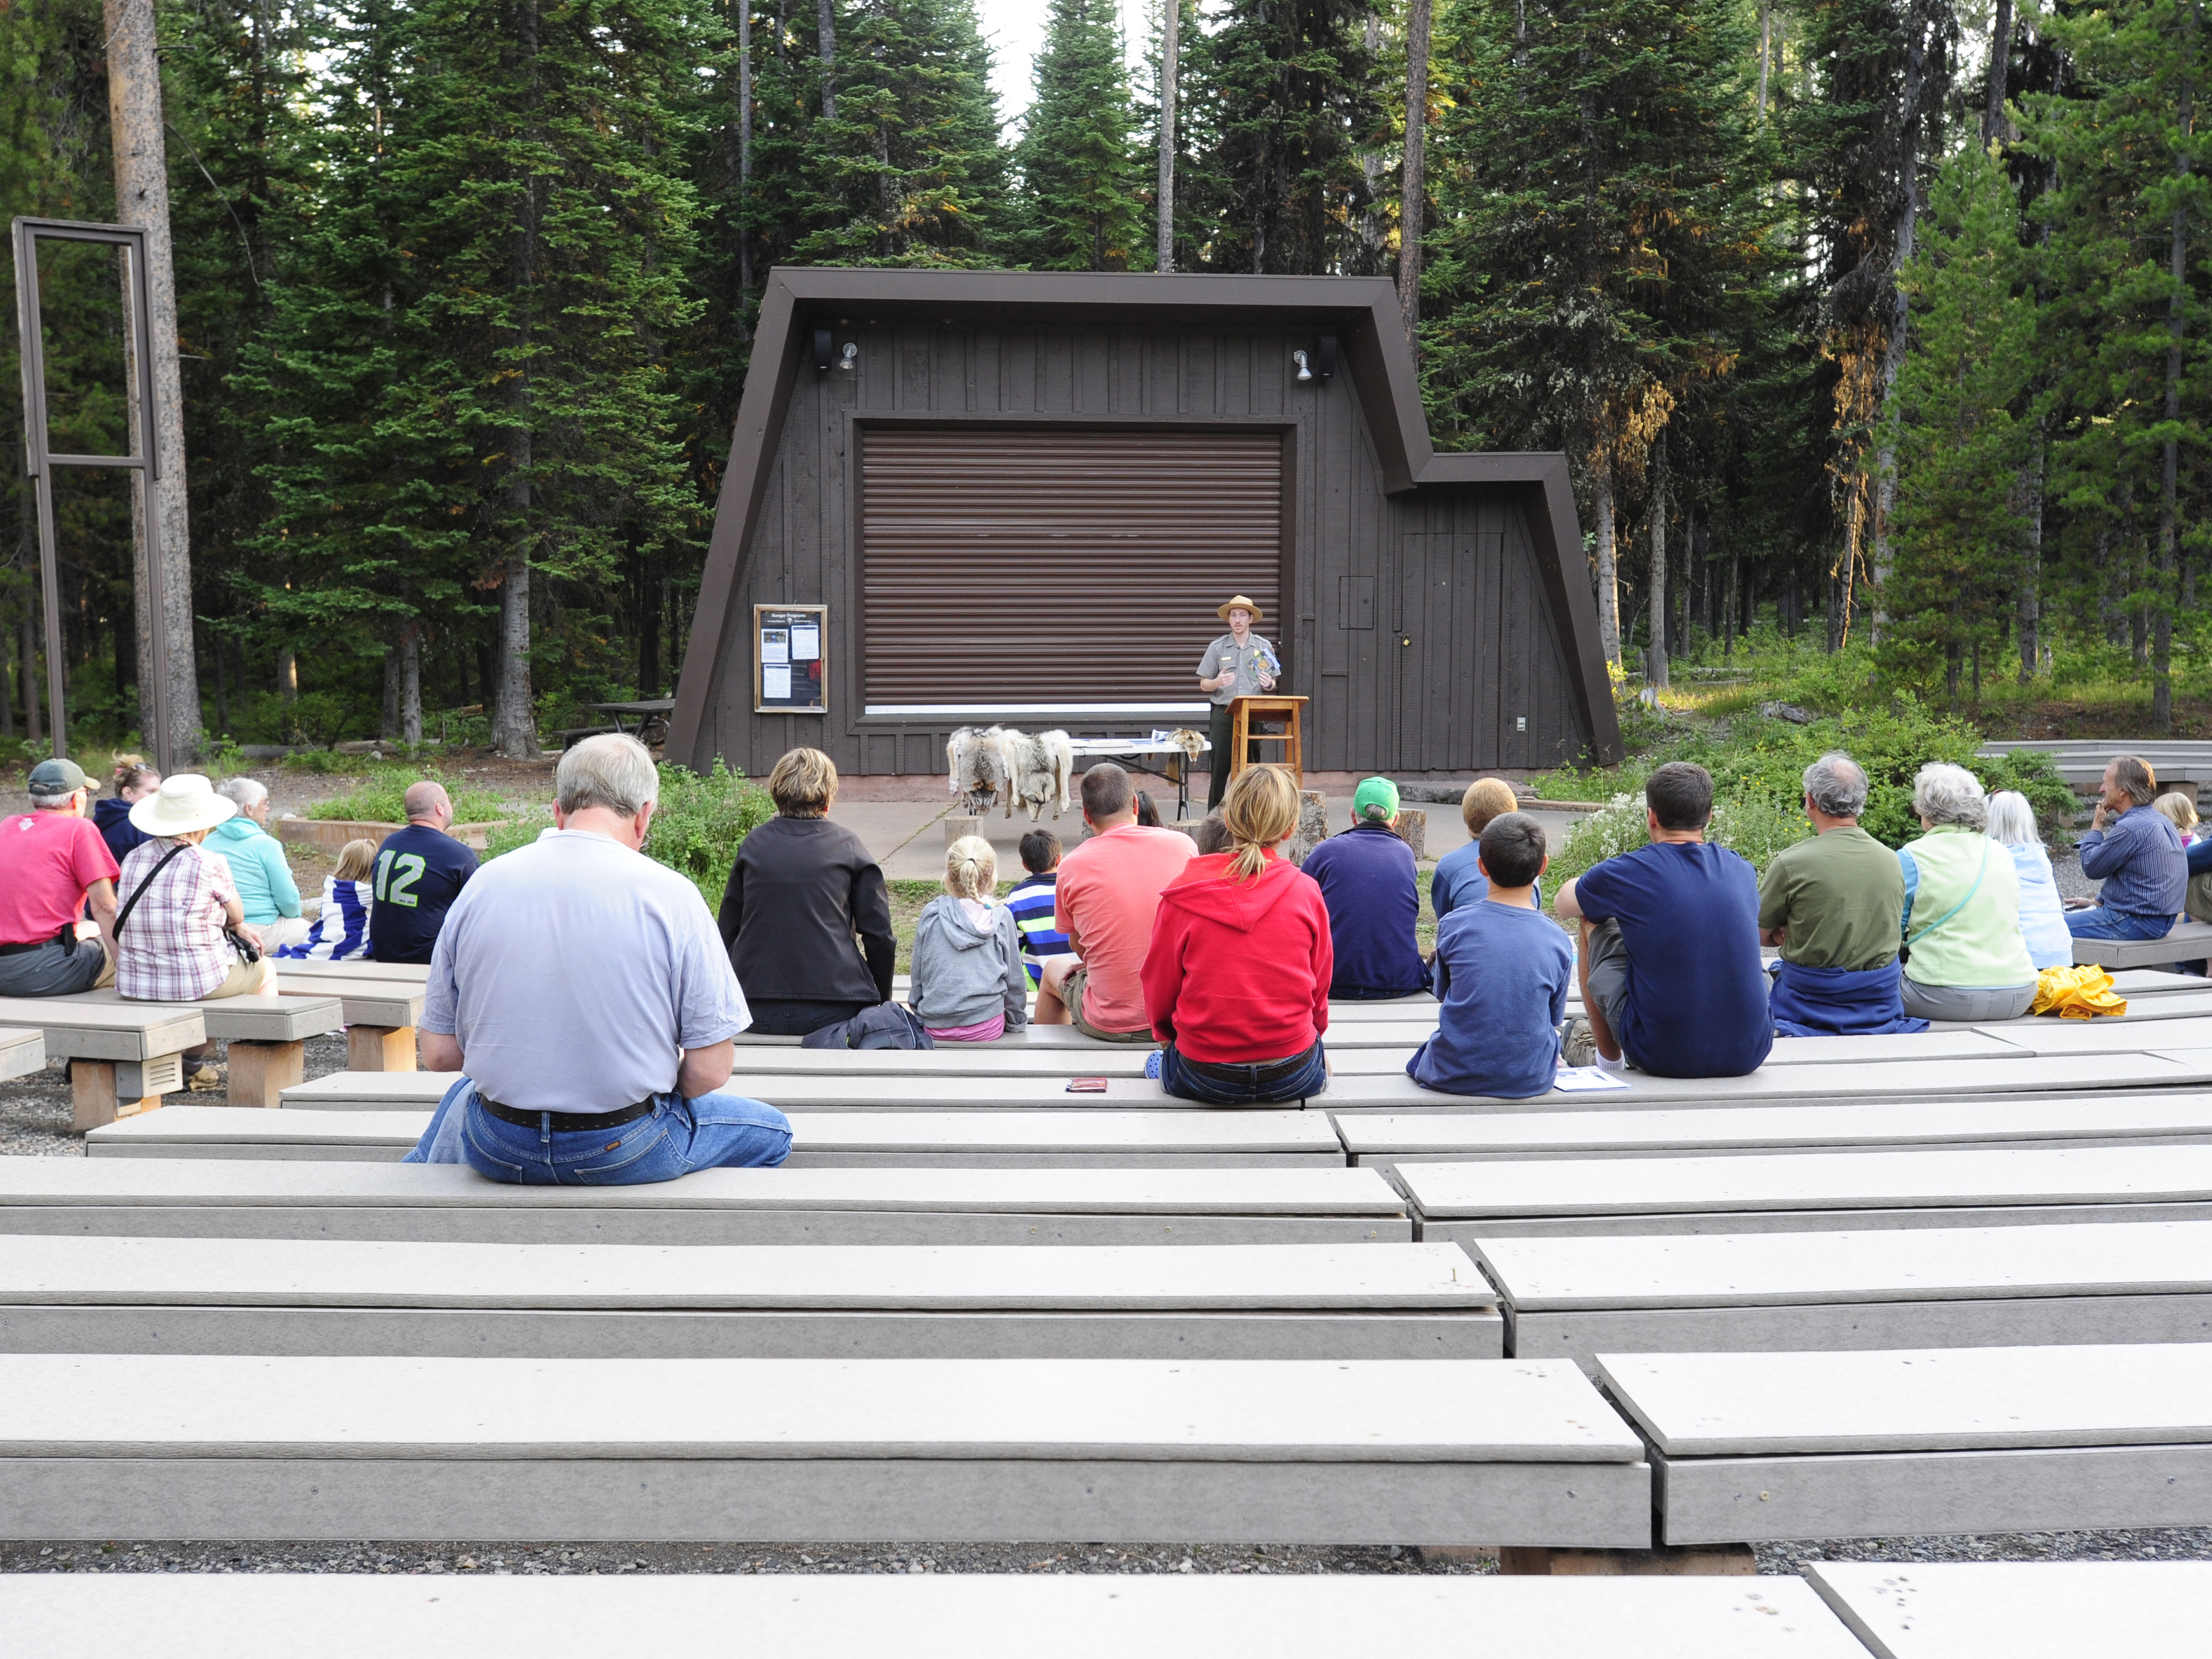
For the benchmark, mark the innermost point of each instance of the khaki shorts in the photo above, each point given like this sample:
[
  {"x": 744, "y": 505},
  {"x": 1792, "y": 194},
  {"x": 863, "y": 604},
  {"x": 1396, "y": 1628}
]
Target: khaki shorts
[
  {"x": 285, "y": 930},
  {"x": 1072, "y": 994},
  {"x": 247, "y": 979}
]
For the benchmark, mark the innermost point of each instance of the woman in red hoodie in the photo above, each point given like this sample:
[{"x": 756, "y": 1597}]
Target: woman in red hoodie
[{"x": 1236, "y": 980}]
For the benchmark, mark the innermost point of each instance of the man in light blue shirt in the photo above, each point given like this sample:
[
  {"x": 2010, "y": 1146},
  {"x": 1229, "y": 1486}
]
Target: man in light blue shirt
[{"x": 585, "y": 990}]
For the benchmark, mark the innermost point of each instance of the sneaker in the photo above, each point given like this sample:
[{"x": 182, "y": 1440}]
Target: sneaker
[
  {"x": 205, "y": 1081},
  {"x": 1580, "y": 1046}
]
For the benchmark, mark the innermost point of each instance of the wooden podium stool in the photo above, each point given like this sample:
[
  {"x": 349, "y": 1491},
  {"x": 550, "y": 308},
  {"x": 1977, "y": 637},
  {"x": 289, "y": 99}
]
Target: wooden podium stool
[{"x": 1244, "y": 710}]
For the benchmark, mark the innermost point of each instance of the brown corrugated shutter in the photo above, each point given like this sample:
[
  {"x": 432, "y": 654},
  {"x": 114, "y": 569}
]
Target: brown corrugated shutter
[{"x": 1056, "y": 566}]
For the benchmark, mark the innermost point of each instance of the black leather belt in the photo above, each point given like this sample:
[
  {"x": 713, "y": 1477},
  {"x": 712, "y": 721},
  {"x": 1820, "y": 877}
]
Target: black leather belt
[
  {"x": 66, "y": 937},
  {"x": 566, "y": 1123}
]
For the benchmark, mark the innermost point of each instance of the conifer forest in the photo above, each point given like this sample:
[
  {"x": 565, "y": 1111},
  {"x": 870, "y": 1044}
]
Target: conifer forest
[{"x": 1882, "y": 323}]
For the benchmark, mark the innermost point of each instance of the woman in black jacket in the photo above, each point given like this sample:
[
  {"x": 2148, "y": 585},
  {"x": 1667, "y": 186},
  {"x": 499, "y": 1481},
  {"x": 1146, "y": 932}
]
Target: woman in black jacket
[{"x": 805, "y": 916}]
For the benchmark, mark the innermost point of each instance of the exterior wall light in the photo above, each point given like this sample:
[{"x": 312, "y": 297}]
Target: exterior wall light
[
  {"x": 852, "y": 351},
  {"x": 1304, "y": 372}
]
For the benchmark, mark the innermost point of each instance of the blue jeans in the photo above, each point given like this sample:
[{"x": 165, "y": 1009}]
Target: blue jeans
[
  {"x": 1215, "y": 1083},
  {"x": 676, "y": 1138},
  {"x": 2100, "y": 923}
]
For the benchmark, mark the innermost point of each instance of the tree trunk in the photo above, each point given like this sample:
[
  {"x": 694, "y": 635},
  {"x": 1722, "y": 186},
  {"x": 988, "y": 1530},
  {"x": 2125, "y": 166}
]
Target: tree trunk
[
  {"x": 513, "y": 730},
  {"x": 410, "y": 684},
  {"x": 141, "y": 198},
  {"x": 2030, "y": 605},
  {"x": 744, "y": 147},
  {"x": 33, "y": 726},
  {"x": 825, "y": 38},
  {"x": 1656, "y": 673},
  {"x": 1766, "y": 53},
  {"x": 388, "y": 727},
  {"x": 1731, "y": 608},
  {"x": 7, "y": 685},
  {"x": 1893, "y": 356},
  {"x": 1412, "y": 196},
  {"x": 221, "y": 694},
  {"x": 1608, "y": 569},
  {"x": 1993, "y": 115},
  {"x": 1171, "y": 61},
  {"x": 2161, "y": 660},
  {"x": 287, "y": 675}
]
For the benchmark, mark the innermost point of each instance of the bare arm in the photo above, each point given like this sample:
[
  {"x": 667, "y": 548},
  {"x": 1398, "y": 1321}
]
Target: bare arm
[
  {"x": 441, "y": 1053},
  {"x": 1564, "y": 904},
  {"x": 705, "y": 1070}
]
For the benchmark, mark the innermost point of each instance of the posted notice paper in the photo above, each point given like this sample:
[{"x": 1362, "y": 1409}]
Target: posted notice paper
[
  {"x": 805, "y": 643},
  {"x": 776, "y": 645},
  {"x": 775, "y": 683}
]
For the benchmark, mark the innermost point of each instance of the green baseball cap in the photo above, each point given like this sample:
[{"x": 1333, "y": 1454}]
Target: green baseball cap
[
  {"x": 57, "y": 776},
  {"x": 1375, "y": 799}
]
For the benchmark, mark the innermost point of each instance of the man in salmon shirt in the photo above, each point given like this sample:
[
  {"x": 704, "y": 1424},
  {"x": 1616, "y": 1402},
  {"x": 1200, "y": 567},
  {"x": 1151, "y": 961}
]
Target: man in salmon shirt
[
  {"x": 1108, "y": 889},
  {"x": 52, "y": 864}
]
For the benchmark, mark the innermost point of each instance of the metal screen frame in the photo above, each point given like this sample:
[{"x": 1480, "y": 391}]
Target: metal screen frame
[{"x": 40, "y": 460}]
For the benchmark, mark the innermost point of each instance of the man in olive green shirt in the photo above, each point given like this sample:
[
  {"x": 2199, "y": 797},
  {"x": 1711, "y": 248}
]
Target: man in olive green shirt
[{"x": 1835, "y": 906}]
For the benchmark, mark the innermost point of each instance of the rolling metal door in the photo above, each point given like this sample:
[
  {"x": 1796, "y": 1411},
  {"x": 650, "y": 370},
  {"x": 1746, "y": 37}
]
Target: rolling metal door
[{"x": 1049, "y": 567}]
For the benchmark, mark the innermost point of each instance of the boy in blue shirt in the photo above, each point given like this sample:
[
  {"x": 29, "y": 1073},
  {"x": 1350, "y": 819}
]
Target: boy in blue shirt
[
  {"x": 1032, "y": 902},
  {"x": 1502, "y": 973}
]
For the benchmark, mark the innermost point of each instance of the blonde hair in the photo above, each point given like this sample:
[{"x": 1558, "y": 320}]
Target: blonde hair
[
  {"x": 802, "y": 783},
  {"x": 1261, "y": 809},
  {"x": 355, "y": 859},
  {"x": 1486, "y": 798},
  {"x": 2177, "y": 809},
  {"x": 971, "y": 868},
  {"x": 130, "y": 773}
]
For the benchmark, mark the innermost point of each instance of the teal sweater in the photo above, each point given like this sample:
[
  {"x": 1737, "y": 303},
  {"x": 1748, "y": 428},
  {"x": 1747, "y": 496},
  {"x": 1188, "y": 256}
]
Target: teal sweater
[{"x": 265, "y": 887}]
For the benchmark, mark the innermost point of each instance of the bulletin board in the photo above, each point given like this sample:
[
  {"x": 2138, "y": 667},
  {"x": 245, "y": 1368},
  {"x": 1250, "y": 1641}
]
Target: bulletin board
[{"x": 791, "y": 645}]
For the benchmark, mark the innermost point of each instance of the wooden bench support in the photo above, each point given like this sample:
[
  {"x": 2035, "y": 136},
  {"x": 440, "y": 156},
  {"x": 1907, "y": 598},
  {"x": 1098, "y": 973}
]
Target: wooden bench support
[
  {"x": 101, "y": 1090},
  {"x": 1690, "y": 1561},
  {"x": 261, "y": 1071},
  {"x": 380, "y": 1048}
]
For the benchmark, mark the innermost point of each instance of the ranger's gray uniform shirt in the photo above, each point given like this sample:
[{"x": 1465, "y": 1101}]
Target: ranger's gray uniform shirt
[{"x": 1250, "y": 659}]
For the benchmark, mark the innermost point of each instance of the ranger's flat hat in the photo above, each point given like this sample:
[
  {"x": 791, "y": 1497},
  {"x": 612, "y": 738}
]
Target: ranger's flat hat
[{"x": 1240, "y": 603}]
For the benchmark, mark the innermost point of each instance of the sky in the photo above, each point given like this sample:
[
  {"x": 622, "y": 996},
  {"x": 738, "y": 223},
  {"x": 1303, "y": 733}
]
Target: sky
[{"x": 1016, "y": 29}]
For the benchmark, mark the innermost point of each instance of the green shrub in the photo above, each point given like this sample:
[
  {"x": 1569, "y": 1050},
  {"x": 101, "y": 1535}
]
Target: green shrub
[
  {"x": 381, "y": 799},
  {"x": 696, "y": 825}
]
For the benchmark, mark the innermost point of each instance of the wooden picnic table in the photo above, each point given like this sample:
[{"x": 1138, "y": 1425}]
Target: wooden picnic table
[{"x": 645, "y": 719}]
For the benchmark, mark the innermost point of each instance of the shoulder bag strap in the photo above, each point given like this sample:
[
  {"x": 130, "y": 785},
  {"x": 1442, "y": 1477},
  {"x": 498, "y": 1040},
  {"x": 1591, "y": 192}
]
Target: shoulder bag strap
[
  {"x": 131, "y": 903},
  {"x": 1914, "y": 939}
]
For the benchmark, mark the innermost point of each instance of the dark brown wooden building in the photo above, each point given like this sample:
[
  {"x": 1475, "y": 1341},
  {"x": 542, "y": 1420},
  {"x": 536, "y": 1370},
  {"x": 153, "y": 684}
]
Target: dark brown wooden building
[{"x": 1020, "y": 496}]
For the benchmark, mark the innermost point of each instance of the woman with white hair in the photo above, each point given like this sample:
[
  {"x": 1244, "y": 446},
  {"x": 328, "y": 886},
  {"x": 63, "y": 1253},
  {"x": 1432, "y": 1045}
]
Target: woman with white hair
[
  {"x": 2042, "y": 917},
  {"x": 257, "y": 867},
  {"x": 1964, "y": 957}
]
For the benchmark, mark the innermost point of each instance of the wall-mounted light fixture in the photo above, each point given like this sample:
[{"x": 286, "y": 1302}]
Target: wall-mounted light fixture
[
  {"x": 1304, "y": 372},
  {"x": 1318, "y": 364},
  {"x": 852, "y": 352}
]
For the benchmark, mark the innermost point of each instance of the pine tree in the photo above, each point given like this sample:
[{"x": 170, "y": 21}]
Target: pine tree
[
  {"x": 1959, "y": 429},
  {"x": 1081, "y": 202}
]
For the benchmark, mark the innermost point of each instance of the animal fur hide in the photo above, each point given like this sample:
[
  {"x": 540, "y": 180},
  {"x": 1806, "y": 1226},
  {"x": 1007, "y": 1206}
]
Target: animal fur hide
[
  {"x": 976, "y": 761},
  {"x": 1041, "y": 767},
  {"x": 1188, "y": 741}
]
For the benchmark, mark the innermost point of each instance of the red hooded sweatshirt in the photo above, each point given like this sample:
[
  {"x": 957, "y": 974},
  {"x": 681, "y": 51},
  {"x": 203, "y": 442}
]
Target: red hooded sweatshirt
[{"x": 1238, "y": 971}]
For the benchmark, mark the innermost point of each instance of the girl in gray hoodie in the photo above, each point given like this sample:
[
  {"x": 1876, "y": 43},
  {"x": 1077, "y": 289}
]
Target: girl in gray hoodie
[{"x": 969, "y": 985}]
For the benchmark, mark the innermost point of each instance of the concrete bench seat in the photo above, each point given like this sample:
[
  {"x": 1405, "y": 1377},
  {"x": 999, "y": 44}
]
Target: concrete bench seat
[
  {"x": 1134, "y": 1140},
  {"x": 2064, "y": 1038},
  {"x": 275, "y": 1198},
  {"x": 63, "y": 1295},
  {"x": 1798, "y": 1192},
  {"x": 1444, "y": 1451},
  {"x": 1350, "y": 1035},
  {"x": 2136, "y": 1117},
  {"x": 383, "y": 1091},
  {"x": 266, "y": 1036},
  {"x": 1011, "y": 1060},
  {"x": 933, "y": 1616},
  {"x": 2020, "y": 1610},
  {"x": 416, "y": 973},
  {"x": 21, "y": 1052},
  {"x": 380, "y": 1015},
  {"x": 123, "y": 1056},
  {"x": 2094, "y": 1282},
  {"x": 1922, "y": 1441},
  {"x": 2189, "y": 941}
]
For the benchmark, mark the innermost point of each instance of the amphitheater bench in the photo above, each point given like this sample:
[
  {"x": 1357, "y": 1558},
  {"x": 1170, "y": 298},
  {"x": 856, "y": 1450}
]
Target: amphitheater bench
[
  {"x": 2022, "y": 1609},
  {"x": 266, "y": 1037},
  {"x": 1124, "y": 1140},
  {"x": 1382, "y": 1140},
  {"x": 384, "y": 1092},
  {"x": 22, "y": 1053},
  {"x": 1801, "y": 1192},
  {"x": 1072, "y": 1616},
  {"x": 123, "y": 1056},
  {"x": 1964, "y": 1287},
  {"x": 248, "y": 1198},
  {"x": 2189, "y": 941},
  {"x": 380, "y": 1015},
  {"x": 1439, "y": 1451},
  {"x": 1916, "y": 1442},
  {"x": 80, "y": 1294}
]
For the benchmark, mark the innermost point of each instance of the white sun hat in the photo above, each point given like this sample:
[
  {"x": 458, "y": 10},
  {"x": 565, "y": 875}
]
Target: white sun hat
[{"x": 184, "y": 802}]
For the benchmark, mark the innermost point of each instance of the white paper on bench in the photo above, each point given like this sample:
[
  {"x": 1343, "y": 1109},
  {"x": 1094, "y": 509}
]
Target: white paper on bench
[
  {"x": 844, "y": 1132},
  {"x": 936, "y": 1616},
  {"x": 1812, "y": 1181},
  {"x": 1883, "y": 1123},
  {"x": 229, "y": 1272},
  {"x": 1900, "y": 1400},
  {"x": 1298, "y": 1411},
  {"x": 166, "y": 1182},
  {"x": 2020, "y": 1610},
  {"x": 1731, "y": 1270}
]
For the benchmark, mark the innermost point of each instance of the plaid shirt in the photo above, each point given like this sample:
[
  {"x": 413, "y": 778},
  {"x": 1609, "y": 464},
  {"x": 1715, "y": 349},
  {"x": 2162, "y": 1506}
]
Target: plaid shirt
[{"x": 173, "y": 949}]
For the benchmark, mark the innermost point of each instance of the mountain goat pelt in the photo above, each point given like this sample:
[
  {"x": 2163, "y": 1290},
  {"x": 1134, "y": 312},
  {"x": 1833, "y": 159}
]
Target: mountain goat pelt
[
  {"x": 976, "y": 761},
  {"x": 1041, "y": 767}
]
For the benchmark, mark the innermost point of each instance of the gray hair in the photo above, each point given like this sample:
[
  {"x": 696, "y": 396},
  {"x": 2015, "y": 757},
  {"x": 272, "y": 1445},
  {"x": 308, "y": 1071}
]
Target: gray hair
[
  {"x": 245, "y": 792},
  {"x": 1836, "y": 784},
  {"x": 1943, "y": 793},
  {"x": 2012, "y": 820},
  {"x": 55, "y": 803},
  {"x": 613, "y": 770}
]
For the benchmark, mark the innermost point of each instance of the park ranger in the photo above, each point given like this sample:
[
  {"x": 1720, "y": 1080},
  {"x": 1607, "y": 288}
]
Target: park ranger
[{"x": 1239, "y": 664}]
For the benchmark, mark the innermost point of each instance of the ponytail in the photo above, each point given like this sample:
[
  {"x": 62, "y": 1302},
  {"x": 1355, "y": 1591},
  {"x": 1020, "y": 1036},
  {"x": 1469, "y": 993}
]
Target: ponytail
[
  {"x": 971, "y": 868},
  {"x": 1262, "y": 810}
]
